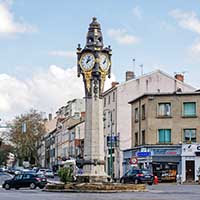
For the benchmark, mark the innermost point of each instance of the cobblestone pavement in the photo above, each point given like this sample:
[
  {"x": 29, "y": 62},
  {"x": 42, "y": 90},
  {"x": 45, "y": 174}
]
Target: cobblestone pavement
[{"x": 155, "y": 192}]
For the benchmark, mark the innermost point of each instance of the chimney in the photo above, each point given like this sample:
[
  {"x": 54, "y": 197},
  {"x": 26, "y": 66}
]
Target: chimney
[
  {"x": 113, "y": 84},
  {"x": 50, "y": 116},
  {"x": 179, "y": 77},
  {"x": 82, "y": 115},
  {"x": 130, "y": 75}
]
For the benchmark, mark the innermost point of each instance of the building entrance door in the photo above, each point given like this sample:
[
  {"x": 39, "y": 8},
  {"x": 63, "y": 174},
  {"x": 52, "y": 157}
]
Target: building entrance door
[{"x": 189, "y": 170}]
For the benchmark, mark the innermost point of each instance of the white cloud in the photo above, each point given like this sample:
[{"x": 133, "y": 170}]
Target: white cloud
[
  {"x": 8, "y": 25},
  {"x": 69, "y": 54},
  {"x": 187, "y": 20},
  {"x": 46, "y": 91},
  {"x": 196, "y": 48},
  {"x": 137, "y": 12},
  {"x": 122, "y": 37}
]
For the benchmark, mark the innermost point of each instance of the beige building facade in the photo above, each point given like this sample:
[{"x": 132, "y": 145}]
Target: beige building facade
[
  {"x": 177, "y": 113},
  {"x": 166, "y": 134}
]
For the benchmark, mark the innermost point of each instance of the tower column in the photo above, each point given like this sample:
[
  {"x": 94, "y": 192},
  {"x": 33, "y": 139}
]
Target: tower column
[{"x": 94, "y": 65}]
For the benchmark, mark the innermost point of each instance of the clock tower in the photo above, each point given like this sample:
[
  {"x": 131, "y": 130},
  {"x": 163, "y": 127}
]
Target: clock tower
[{"x": 94, "y": 64}]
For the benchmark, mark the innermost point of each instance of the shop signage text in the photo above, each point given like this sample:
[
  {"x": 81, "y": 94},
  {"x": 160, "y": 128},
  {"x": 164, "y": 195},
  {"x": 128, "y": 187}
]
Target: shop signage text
[{"x": 143, "y": 154}]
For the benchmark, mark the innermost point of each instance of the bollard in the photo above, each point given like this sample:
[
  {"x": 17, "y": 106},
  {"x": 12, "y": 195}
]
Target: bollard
[{"x": 155, "y": 180}]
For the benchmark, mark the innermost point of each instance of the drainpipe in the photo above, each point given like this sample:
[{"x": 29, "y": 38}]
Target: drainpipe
[{"x": 139, "y": 123}]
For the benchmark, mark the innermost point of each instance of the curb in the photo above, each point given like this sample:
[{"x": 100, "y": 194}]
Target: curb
[{"x": 92, "y": 191}]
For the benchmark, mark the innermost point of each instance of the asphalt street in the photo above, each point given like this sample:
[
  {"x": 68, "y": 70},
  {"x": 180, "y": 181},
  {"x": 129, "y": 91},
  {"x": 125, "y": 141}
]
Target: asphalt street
[{"x": 155, "y": 192}]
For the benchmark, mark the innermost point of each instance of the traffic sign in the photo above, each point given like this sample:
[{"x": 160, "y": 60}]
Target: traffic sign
[{"x": 134, "y": 160}]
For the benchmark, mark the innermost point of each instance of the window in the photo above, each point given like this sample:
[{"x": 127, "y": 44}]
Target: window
[
  {"x": 189, "y": 109},
  {"x": 164, "y": 109},
  {"x": 143, "y": 137},
  {"x": 18, "y": 177},
  {"x": 136, "y": 115},
  {"x": 26, "y": 176},
  {"x": 105, "y": 102},
  {"x": 189, "y": 135},
  {"x": 109, "y": 99},
  {"x": 104, "y": 120},
  {"x": 143, "y": 111},
  {"x": 113, "y": 96},
  {"x": 136, "y": 139},
  {"x": 164, "y": 135}
]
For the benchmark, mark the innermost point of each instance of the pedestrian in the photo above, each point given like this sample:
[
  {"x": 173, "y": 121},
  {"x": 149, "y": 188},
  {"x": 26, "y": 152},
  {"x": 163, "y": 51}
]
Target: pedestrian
[{"x": 178, "y": 179}]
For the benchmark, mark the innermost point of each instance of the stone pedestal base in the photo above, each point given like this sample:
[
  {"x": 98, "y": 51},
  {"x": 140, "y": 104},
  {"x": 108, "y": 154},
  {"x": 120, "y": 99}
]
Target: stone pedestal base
[{"x": 92, "y": 179}]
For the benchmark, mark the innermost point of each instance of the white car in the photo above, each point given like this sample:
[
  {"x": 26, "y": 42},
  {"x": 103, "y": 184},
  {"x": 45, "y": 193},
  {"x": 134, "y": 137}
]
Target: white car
[
  {"x": 41, "y": 171},
  {"x": 49, "y": 173}
]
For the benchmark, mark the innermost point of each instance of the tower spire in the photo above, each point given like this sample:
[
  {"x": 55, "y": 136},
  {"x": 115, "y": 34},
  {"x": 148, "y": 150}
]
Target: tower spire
[{"x": 94, "y": 36}]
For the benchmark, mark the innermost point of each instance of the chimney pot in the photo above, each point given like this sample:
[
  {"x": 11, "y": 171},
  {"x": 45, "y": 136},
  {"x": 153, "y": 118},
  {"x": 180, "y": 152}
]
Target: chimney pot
[
  {"x": 82, "y": 115},
  {"x": 179, "y": 77},
  {"x": 114, "y": 84},
  {"x": 50, "y": 116},
  {"x": 130, "y": 75}
]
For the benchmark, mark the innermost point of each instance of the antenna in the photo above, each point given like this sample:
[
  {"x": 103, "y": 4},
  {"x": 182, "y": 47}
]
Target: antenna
[
  {"x": 141, "y": 66},
  {"x": 181, "y": 72},
  {"x": 133, "y": 64}
]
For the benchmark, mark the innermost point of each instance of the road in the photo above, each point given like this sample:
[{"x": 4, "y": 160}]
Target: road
[{"x": 155, "y": 192}]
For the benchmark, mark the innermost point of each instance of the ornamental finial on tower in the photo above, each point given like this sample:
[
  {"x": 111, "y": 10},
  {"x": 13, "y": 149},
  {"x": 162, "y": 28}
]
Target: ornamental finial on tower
[{"x": 94, "y": 35}]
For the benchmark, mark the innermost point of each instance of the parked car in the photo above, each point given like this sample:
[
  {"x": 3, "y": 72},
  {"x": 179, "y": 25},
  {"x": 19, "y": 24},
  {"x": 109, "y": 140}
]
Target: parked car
[
  {"x": 18, "y": 170},
  {"x": 41, "y": 171},
  {"x": 137, "y": 176},
  {"x": 49, "y": 173},
  {"x": 26, "y": 180},
  {"x": 3, "y": 169}
]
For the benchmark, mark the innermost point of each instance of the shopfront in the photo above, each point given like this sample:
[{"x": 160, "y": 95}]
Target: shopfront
[
  {"x": 164, "y": 161},
  {"x": 190, "y": 162}
]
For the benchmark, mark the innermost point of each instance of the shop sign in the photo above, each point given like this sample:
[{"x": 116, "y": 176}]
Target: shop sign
[
  {"x": 165, "y": 151},
  {"x": 190, "y": 149},
  {"x": 143, "y": 154}
]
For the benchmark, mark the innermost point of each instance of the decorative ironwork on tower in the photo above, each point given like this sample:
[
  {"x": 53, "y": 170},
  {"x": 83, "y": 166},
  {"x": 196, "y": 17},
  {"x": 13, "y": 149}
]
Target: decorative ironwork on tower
[{"x": 94, "y": 61}]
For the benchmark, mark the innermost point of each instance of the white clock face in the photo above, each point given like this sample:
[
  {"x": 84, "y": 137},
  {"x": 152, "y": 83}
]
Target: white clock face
[
  {"x": 104, "y": 62},
  {"x": 87, "y": 61}
]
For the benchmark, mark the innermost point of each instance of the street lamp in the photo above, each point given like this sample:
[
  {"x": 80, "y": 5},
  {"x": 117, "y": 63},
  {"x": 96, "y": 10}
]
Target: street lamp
[{"x": 111, "y": 142}]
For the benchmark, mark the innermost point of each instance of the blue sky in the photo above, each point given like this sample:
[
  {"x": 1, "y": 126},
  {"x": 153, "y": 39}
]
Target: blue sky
[{"x": 39, "y": 39}]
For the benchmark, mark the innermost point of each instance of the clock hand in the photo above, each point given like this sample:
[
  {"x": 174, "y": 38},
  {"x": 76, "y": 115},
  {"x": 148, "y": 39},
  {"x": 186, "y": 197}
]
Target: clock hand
[
  {"x": 88, "y": 60},
  {"x": 104, "y": 61}
]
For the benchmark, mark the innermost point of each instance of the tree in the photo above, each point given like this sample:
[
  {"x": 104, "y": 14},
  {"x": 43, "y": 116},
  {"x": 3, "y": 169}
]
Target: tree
[
  {"x": 66, "y": 174},
  {"x": 4, "y": 152},
  {"x": 26, "y": 133}
]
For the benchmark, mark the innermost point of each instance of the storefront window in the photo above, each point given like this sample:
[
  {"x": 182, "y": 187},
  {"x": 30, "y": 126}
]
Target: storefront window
[
  {"x": 164, "y": 135},
  {"x": 166, "y": 172}
]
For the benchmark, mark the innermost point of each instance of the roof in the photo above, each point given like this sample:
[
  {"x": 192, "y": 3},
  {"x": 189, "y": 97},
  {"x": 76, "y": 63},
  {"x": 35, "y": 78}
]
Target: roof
[
  {"x": 164, "y": 94},
  {"x": 146, "y": 75}
]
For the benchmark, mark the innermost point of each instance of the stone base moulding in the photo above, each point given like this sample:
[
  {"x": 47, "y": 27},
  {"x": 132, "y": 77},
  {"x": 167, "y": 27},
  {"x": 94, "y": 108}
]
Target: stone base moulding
[
  {"x": 92, "y": 179},
  {"x": 97, "y": 188}
]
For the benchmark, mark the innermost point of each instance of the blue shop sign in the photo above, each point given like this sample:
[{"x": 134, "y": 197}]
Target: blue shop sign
[{"x": 143, "y": 154}]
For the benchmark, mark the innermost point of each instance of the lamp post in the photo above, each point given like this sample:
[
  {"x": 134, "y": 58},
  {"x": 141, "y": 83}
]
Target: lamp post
[
  {"x": 111, "y": 157},
  {"x": 110, "y": 144}
]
